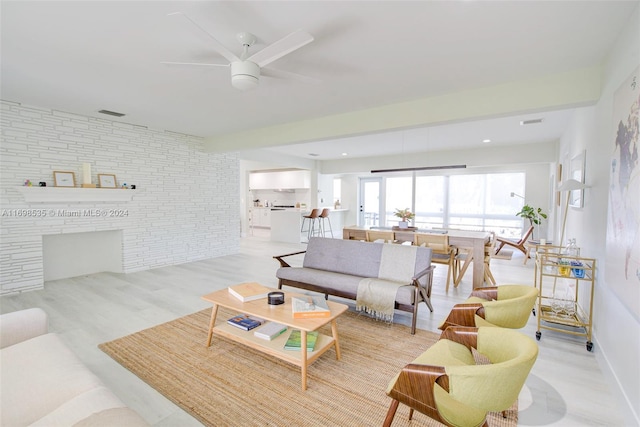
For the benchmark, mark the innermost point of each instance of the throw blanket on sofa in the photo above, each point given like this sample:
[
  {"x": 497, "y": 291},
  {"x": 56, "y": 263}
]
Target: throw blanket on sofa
[{"x": 377, "y": 296}]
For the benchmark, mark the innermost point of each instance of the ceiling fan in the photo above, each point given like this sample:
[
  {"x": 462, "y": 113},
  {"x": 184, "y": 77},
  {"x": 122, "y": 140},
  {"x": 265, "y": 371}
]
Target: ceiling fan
[{"x": 245, "y": 69}]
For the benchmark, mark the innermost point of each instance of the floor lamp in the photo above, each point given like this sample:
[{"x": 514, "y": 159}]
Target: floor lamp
[{"x": 569, "y": 186}]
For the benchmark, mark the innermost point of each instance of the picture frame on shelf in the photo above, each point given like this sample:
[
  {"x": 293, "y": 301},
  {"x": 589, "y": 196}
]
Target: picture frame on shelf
[
  {"x": 64, "y": 179},
  {"x": 106, "y": 180},
  {"x": 577, "y": 172}
]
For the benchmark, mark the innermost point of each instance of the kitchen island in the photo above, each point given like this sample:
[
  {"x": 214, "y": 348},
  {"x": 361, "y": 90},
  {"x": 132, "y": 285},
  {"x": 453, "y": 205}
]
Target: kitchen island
[{"x": 285, "y": 224}]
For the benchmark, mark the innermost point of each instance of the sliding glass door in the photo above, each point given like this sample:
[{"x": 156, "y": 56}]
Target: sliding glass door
[{"x": 370, "y": 202}]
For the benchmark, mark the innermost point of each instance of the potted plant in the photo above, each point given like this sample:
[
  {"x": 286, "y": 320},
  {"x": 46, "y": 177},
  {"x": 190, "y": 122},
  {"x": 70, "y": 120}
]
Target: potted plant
[
  {"x": 405, "y": 216},
  {"x": 535, "y": 216}
]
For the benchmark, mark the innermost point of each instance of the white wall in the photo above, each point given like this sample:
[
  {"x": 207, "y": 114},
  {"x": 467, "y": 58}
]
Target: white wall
[
  {"x": 616, "y": 329},
  {"x": 185, "y": 207}
]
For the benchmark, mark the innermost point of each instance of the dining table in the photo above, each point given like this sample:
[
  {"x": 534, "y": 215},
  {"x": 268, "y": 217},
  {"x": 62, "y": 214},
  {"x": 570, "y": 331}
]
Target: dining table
[{"x": 462, "y": 239}]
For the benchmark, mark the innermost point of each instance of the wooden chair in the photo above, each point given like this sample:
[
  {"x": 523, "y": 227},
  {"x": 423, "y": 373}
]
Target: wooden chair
[
  {"x": 387, "y": 236},
  {"x": 446, "y": 384},
  {"x": 519, "y": 245},
  {"x": 465, "y": 256},
  {"x": 506, "y": 306},
  {"x": 441, "y": 252}
]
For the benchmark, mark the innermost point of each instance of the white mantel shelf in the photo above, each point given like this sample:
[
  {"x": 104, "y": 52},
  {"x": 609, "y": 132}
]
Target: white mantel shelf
[{"x": 63, "y": 194}]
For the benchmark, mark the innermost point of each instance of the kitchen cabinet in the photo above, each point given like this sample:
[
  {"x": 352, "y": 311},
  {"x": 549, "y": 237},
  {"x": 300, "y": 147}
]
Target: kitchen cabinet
[
  {"x": 566, "y": 285},
  {"x": 279, "y": 180},
  {"x": 261, "y": 217}
]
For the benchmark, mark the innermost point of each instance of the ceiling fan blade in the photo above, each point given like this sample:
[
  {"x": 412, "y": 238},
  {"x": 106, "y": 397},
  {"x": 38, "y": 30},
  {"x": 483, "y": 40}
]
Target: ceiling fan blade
[
  {"x": 280, "y": 74},
  {"x": 194, "y": 63},
  {"x": 278, "y": 49},
  {"x": 219, "y": 47}
]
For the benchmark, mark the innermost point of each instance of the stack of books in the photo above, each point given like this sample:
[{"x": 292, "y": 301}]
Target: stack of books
[
  {"x": 294, "y": 342},
  {"x": 249, "y": 291},
  {"x": 309, "y": 308},
  {"x": 270, "y": 331},
  {"x": 245, "y": 322}
]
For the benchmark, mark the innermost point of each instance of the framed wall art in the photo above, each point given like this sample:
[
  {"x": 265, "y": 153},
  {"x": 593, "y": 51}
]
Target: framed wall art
[
  {"x": 106, "y": 180},
  {"x": 64, "y": 179}
]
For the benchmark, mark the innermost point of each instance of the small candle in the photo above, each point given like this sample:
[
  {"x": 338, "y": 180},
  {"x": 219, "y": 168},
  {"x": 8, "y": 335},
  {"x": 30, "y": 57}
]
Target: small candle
[{"x": 86, "y": 173}]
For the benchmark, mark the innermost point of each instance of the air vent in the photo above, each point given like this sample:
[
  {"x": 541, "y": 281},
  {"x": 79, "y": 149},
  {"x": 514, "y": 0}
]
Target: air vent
[
  {"x": 314, "y": 154},
  {"x": 530, "y": 122},
  {"x": 111, "y": 113}
]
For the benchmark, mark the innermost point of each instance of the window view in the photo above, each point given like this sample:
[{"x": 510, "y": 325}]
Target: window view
[
  {"x": 468, "y": 202},
  {"x": 337, "y": 190}
]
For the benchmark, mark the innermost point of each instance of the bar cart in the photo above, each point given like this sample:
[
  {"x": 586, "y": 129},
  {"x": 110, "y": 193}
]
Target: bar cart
[{"x": 566, "y": 287}]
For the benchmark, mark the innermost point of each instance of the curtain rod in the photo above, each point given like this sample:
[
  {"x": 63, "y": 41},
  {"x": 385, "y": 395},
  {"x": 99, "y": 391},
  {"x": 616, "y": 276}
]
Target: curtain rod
[{"x": 424, "y": 168}]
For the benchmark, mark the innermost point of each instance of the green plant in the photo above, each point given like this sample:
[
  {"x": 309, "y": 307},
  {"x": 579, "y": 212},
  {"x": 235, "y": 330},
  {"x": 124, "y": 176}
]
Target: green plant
[
  {"x": 404, "y": 214},
  {"x": 535, "y": 216}
]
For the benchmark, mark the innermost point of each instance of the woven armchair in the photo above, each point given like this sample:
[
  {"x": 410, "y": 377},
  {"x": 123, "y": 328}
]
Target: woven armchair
[
  {"x": 507, "y": 306},
  {"x": 446, "y": 384}
]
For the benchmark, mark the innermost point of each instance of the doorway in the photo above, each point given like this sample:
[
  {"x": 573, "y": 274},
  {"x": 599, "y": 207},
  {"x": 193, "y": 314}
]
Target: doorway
[{"x": 370, "y": 202}]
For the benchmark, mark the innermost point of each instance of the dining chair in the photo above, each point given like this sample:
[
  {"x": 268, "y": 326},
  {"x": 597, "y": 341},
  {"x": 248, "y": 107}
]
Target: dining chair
[
  {"x": 519, "y": 245},
  {"x": 465, "y": 257},
  {"x": 441, "y": 252},
  {"x": 375, "y": 235}
]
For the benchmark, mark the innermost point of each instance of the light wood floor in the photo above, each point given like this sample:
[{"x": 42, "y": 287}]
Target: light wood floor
[{"x": 565, "y": 388}]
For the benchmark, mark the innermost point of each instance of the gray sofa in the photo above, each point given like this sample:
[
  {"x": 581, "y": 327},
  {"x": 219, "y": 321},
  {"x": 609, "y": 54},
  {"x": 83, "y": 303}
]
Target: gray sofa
[
  {"x": 45, "y": 384},
  {"x": 336, "y": 267}
]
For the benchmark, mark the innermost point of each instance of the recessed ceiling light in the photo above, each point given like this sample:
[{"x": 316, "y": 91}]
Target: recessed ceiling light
[
  {"x": 344, "y": 154},
  {"x": 486, "y": 141},
  {"x": 530, "y": 122}
]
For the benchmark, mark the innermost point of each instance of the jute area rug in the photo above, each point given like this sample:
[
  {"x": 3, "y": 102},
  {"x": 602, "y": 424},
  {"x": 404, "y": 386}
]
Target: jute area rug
[{"x": 230, "y": 385}]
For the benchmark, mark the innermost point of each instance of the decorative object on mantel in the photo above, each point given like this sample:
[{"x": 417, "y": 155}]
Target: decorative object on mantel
[
  {"x": 107, "y": 180},
  {"x": 42, "y": 184},
  {"x": 28, "y": 183},
  {"x": 405, "y": 216},
  {"x": 86, "y": 176},
  {"x": 64, "y": 179}
]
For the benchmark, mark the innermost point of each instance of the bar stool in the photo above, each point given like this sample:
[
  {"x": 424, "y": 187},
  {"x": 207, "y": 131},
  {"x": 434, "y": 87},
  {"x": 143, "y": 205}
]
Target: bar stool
[
  {"x": 324, "y": 217},
  {"x": 313, "y": 216}
]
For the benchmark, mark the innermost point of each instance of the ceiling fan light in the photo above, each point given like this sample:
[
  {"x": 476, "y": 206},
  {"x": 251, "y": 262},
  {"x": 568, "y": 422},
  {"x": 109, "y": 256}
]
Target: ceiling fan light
[
  {"x": 244, "y": 82},
  {"x": 244, "y": 75}
]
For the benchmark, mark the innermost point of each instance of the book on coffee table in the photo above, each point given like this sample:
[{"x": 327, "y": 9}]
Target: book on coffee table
[
  {"x": 294, "y": 342},
  {"x": 270, "y": 331},
  {"x": 309, "y": 308},
  {"x": 249, "y": 291},
  {"x": 245, "y": 322}
]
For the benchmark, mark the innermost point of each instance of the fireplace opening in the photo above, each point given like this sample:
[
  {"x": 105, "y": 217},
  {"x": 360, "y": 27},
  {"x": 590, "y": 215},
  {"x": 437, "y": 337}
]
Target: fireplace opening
[{"x": 77, "y": 254}]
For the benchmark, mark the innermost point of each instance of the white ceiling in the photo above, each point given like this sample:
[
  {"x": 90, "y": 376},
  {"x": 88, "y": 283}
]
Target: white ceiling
[{"x": 82, "y": 57}]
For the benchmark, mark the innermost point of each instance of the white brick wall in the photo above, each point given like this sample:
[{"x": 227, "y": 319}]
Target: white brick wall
[{"x": 185, "y": 207}]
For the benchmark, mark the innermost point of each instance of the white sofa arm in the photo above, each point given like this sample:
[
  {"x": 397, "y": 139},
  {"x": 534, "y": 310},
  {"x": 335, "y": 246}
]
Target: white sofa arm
[{"x": 22, "y": 325}]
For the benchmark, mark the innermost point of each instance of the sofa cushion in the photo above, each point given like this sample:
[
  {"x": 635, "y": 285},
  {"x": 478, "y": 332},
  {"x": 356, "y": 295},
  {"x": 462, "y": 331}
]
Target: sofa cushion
[
  {"x": 343, "y": 256},
  {"x": 332, "y": 281},
  {"x": 42, "y": 378}
]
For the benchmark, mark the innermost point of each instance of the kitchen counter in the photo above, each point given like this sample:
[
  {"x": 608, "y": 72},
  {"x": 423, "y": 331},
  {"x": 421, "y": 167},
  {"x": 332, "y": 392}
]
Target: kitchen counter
[{"x": 286, "y": 223}]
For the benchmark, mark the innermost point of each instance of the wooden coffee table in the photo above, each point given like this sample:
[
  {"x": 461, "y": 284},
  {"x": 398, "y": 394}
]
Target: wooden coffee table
[{"x": 280, "y": 314}]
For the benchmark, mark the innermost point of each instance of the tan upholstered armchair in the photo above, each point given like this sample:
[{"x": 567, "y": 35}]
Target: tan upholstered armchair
[
  {"x": 446, "y": 384},
  {"x": 507, "y": 306}
]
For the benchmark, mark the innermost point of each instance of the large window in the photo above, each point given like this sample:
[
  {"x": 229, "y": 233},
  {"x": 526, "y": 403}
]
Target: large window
[{"x": 469, "y": 202}]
